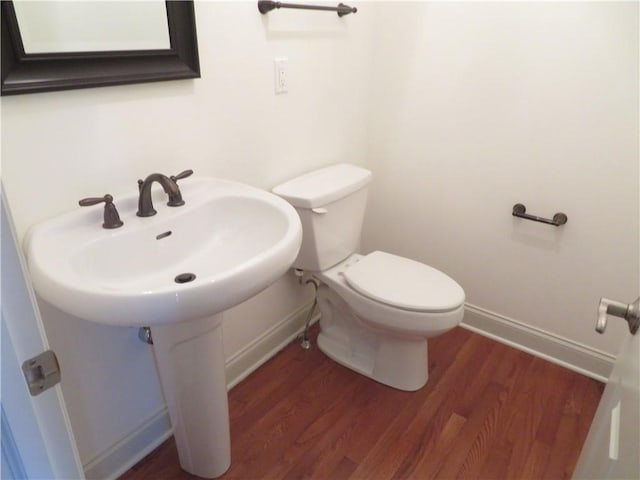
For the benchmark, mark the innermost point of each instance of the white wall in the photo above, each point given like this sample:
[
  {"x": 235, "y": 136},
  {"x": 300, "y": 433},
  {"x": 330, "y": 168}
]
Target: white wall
[
  {"x": 461, "y": 110},
  {"x": 478, "y": 106},
  {"x": 60, "y": 147}
]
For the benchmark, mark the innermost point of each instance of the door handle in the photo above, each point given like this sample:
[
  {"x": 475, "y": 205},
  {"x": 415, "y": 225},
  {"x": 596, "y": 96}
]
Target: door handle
[{"x": 629, "y": 311}]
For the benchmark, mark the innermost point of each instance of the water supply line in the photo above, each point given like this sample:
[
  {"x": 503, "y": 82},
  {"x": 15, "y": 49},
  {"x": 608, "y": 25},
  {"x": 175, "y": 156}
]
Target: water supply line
[{"x": 305, "y": 343}]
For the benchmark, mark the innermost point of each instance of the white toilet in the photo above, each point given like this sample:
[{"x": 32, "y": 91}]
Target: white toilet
[{"x": 377, "y": 310}]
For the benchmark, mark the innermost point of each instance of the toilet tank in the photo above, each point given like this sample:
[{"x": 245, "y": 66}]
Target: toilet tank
[{"x": 331, "y": 203}]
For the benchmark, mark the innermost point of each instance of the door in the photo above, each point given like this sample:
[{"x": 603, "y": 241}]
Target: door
[
  {"x": 37, "y": 441},
  {"x": 612, "y": 448}
]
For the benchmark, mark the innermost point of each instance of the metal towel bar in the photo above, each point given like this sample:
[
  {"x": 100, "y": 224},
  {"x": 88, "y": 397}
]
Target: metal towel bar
[
  {"x": 558, "y": 219},
  {"x": 266, "y": 6}
]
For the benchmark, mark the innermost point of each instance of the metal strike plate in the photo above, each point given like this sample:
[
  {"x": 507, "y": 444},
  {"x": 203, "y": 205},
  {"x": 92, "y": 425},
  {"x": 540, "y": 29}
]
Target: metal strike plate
[{"x": 41, "y": 372}]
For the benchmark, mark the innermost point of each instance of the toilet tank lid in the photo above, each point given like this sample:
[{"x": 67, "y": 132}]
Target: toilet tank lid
[{"x": 323, "y": 186}]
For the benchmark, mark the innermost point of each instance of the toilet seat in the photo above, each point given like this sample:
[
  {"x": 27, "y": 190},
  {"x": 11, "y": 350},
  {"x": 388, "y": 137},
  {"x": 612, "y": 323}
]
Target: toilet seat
[
  {"x": 381, "y": 315},
  {"x": 403, "y": 283}
]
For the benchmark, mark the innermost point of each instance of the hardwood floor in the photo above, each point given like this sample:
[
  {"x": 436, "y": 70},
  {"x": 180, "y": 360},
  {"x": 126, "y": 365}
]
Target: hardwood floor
[{"x": 488, "y": 411}]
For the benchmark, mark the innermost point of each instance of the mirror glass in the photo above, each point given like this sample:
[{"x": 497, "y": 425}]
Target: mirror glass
[{"x": 92, "y": 26}]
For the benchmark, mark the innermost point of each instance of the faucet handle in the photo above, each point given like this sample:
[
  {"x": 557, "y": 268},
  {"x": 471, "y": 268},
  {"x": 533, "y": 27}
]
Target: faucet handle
[
  {"x": 181, "y": 175},
  {"x": 87, "y": 202},
  {"x": 111, "y": 216}
]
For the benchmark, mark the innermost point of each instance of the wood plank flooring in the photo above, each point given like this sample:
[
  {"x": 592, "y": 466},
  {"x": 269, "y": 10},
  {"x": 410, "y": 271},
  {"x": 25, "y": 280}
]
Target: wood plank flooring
[{"x": 488, "y": 411}]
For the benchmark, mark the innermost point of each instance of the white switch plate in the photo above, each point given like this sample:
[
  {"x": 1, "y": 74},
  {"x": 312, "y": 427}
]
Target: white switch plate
[{"x": 281, "y": 74}]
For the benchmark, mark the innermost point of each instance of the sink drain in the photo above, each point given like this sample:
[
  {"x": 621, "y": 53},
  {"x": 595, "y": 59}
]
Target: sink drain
[{"x": 185, "y": 278}]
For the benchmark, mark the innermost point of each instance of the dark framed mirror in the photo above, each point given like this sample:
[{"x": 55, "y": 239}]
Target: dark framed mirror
[{"x": 44, "y": 72}]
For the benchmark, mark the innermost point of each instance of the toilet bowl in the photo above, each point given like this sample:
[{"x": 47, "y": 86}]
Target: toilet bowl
[
  {"x": 377, "y": 310},
  {"x": 383, "y": 334}
]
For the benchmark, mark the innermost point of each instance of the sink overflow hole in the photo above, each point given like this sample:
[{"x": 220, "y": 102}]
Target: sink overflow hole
[
  {"x": 185, "y": 278},
  {"x": 163, "y": 235}
]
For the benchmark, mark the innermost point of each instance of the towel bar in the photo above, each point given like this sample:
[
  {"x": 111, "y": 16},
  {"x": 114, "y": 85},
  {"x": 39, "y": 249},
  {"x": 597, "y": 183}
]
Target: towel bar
[
  {"x": 558, "y": 219},
  {"x": 266, "y": 6}
]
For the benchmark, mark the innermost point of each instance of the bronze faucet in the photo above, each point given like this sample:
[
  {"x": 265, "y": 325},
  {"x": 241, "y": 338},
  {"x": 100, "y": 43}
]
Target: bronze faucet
[{"x": 169, "y": 185}]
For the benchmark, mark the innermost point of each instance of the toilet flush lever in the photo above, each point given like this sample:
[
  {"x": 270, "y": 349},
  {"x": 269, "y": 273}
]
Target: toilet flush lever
[
  {"x": 629, "y": 311},
  {"x": 320, "y": 210}
]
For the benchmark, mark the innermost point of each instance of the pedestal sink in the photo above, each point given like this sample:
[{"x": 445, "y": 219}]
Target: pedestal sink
[{"x": 175, "y": 272}]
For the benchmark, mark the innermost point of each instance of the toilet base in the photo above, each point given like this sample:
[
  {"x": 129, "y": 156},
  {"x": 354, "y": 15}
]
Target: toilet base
[{"x": 392, "y": 360}]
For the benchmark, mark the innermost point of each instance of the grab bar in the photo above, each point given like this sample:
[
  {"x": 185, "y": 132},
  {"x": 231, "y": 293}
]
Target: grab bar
[
  {"x": 558, "y": 219},
  {"x": 266, "y": 6}
]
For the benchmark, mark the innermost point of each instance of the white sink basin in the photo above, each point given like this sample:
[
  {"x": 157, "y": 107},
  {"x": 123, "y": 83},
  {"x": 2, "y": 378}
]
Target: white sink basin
[
  {"x": 234, "y": 238},
  {"x": 176, "y": 272}
]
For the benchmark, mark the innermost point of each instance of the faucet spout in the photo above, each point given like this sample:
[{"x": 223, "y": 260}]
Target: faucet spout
[{"x": 170, "y": 187}]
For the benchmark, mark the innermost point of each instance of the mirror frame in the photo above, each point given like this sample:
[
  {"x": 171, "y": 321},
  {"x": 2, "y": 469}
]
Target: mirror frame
[{"x": 46, "y": 72}]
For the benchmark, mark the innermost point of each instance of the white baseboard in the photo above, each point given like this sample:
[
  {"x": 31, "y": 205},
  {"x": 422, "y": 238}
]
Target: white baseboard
[
  {"x": 119, "y": 458},
  {"x": 116, "y": 460},
  {"x": 240, "y": 365},
  {"x": 572, "y": 355}
]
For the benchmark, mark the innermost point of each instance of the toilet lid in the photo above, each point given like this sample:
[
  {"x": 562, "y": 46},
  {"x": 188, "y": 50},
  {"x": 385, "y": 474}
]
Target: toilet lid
[{"x": 404, "y": 283}]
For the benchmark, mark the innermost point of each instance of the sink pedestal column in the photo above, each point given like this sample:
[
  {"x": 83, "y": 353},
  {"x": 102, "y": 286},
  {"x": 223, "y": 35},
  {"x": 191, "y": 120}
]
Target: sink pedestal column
[{"x": 190, "y": 361}]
